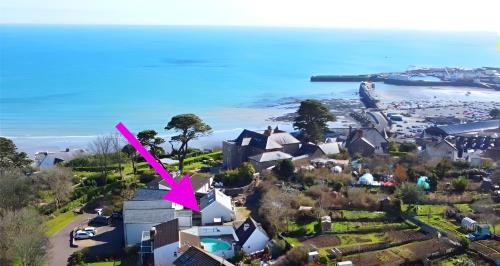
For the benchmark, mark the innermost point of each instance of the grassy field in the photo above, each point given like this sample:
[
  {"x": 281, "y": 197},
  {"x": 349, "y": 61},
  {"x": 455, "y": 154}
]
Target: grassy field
[
  {"x": 294, "y": 242},
  {"x": 342, "y": 227},
  {"x": 464, "y": 208},
  {"x": 124, "y": 262},
  {"x": 348, "y": 214},
  {"x": 60, "y": 221},
  {"x": 304, "y": 228},
  {"x": 427, "y": 209},
  {"x": 442, "y": 223}
]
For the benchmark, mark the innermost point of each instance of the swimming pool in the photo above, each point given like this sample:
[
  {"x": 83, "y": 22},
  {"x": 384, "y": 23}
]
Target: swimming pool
[{"x": 214, "y": 245}]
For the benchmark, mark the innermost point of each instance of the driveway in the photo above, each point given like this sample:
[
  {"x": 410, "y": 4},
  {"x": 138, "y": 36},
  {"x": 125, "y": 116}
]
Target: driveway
[{"x": 108, "y": 239}]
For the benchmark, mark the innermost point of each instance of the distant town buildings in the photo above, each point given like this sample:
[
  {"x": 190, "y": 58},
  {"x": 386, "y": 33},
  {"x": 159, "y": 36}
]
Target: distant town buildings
[{"x": 262, "y": 149}]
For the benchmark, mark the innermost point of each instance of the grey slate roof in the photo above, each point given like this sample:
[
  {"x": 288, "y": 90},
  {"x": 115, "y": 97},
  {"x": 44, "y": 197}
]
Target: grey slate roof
[
  {"x": 243, "y": 234},
  {"x": 148, "y": 216},
  {"x": 149, "y": 194},
  {"x": 329, "y": 148},
  {"x": 270, "y": 156},
  {"x": 276, "y": 140},
  {"x": 146, "y": 204},
  {"x": 464, "y": 128},
  {"x": 197, "y": 181},
  {"x": 195, "y": 256}
]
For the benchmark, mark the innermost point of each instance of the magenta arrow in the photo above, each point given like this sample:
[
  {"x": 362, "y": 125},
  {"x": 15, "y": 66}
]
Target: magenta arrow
[{"x": 180, "y": 192}]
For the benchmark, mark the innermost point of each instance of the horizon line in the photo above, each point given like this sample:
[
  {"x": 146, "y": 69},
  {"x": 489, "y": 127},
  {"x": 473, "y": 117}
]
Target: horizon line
[{"x": 250, "y": 26}]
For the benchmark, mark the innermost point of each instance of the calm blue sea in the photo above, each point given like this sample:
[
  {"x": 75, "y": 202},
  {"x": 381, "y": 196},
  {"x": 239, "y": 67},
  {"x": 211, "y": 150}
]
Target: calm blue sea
[{"x": 80, "y": 81}]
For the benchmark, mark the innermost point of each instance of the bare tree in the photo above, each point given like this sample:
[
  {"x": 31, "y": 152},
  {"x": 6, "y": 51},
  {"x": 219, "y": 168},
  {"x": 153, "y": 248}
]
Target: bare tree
[
  {"x": 116, "y": 147},
  {"x": 102, "y": 147},
  {"x": 24, "y": 237},
  {"x": 276, "y": 209},
  {"x": 58, "y": 180}
]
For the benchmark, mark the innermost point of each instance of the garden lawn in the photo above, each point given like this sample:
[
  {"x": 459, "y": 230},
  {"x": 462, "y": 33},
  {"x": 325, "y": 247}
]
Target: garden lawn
[
  {"x": 294, "y": 242},
  {"x": 60, "y": 221},
  {"x": 302, "y": 228},
  {"x": 348, "y": 214},
  {"x": 343, "y": 227},
  {"x": 128, "y": 262},
  {"x": 427, "y": 209},
  {"x": 464, "y": 208},
  {"x": 442, "y": 223}
]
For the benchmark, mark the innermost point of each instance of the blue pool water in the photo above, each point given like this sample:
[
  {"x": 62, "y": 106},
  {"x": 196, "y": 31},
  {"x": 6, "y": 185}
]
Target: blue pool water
[{"x": 215, "y": 245}]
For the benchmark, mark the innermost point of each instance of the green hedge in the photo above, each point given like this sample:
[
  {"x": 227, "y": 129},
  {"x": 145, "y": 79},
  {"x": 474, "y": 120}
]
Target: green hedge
[
  {"x": 213, "y": 155},
  {"x": 398, "y": 153},
  {"x": 95, "y": 168}
]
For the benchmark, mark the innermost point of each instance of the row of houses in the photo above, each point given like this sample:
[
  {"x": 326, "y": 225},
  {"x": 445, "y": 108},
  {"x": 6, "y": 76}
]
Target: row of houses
[
  {"x": 264, "y": 149},
  {"x": 168, "y": 234}
]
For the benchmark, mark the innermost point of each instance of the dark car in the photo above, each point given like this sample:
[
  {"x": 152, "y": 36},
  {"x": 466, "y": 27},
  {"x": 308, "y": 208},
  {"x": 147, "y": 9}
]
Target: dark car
[
  {"x": 101, "y": 220},
  {"x": 117, "y": 215}
]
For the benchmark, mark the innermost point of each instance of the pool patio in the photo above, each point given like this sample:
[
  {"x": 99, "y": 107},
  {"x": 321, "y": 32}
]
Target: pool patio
[{"x": 225, "y": 234}]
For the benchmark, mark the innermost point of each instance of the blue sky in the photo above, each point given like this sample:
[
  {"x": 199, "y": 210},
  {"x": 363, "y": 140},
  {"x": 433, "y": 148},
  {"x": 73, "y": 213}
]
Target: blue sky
[{"x": 456, "y": 15}]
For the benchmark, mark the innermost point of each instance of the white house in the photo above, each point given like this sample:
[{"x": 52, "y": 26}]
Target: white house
[
  {"x": 165, "y": 242},
  {"x": 216, "y": 206},
  {"x": 139, "y": 216},
  {"x": 45, "y": 160},
  {"x": 251, "y": 236},
  {"x": 442, "y": 149},
  {"x": 201, "y": 184},
  {"x": 148, "y": 209}
]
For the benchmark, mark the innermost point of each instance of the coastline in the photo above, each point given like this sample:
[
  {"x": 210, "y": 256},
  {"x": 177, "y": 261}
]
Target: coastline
[{"x": 258, "y": 115}]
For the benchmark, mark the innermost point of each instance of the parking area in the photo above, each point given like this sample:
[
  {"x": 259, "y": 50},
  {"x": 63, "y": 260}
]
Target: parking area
[{"x": 108, "y": 240}]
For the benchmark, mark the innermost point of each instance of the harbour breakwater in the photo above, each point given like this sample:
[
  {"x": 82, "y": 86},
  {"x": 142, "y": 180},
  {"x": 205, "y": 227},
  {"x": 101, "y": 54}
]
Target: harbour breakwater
[
  {"x": 402, "y": 82},
  {"x": 365, "y": 96}
]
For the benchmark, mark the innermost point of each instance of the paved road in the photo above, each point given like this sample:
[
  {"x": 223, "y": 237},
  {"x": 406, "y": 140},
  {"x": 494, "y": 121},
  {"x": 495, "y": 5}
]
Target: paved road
[
  {"x": 379, "y": 120},
  {"x": 60, "y": 249},
  {"x": 109, "y": 239}
]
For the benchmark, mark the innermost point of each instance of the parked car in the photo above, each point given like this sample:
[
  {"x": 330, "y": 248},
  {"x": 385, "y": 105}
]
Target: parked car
[
  {"x": 99, "y": 211},
  {"x": 90, "y": 229},
  {"x": 117, "y": 215},
  {"x": 101, "y": 220},
  {"x": 80, "y": 234}
]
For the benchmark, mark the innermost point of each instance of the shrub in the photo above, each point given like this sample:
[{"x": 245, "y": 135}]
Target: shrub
[
  {"x": 284, "y": 169},
  {"x": 307, "y": 178},
  {"x": 407, "y": 147},
  {"x": 460, "y": 184},
  {"x": 461, "y": 164},
  {"x": 242, "y": 176},
  {"x": 78, "y": 258},
  {"x": 278, "y": 248},
  {"x": 297, "y": 256},
  {"x": 145, "y": 178},
  {"x": 411, "y": 194}
]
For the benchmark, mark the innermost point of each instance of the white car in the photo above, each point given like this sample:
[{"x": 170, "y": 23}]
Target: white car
[
  {"x": 98, "y": 211},
  {"x": 90, "y": 229},
  {"x": 81, "y": 234}
]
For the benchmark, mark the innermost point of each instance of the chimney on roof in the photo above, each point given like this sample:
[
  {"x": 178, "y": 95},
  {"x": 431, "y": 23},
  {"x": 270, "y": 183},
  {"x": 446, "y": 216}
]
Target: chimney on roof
[
  {"x": 360, "y": 133},
  {"x": 67, "y": 149},
  {"x": 276, "y": 129},
  {"x": 268, "y": 131},
  {"x": 152, "y": 233}
]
